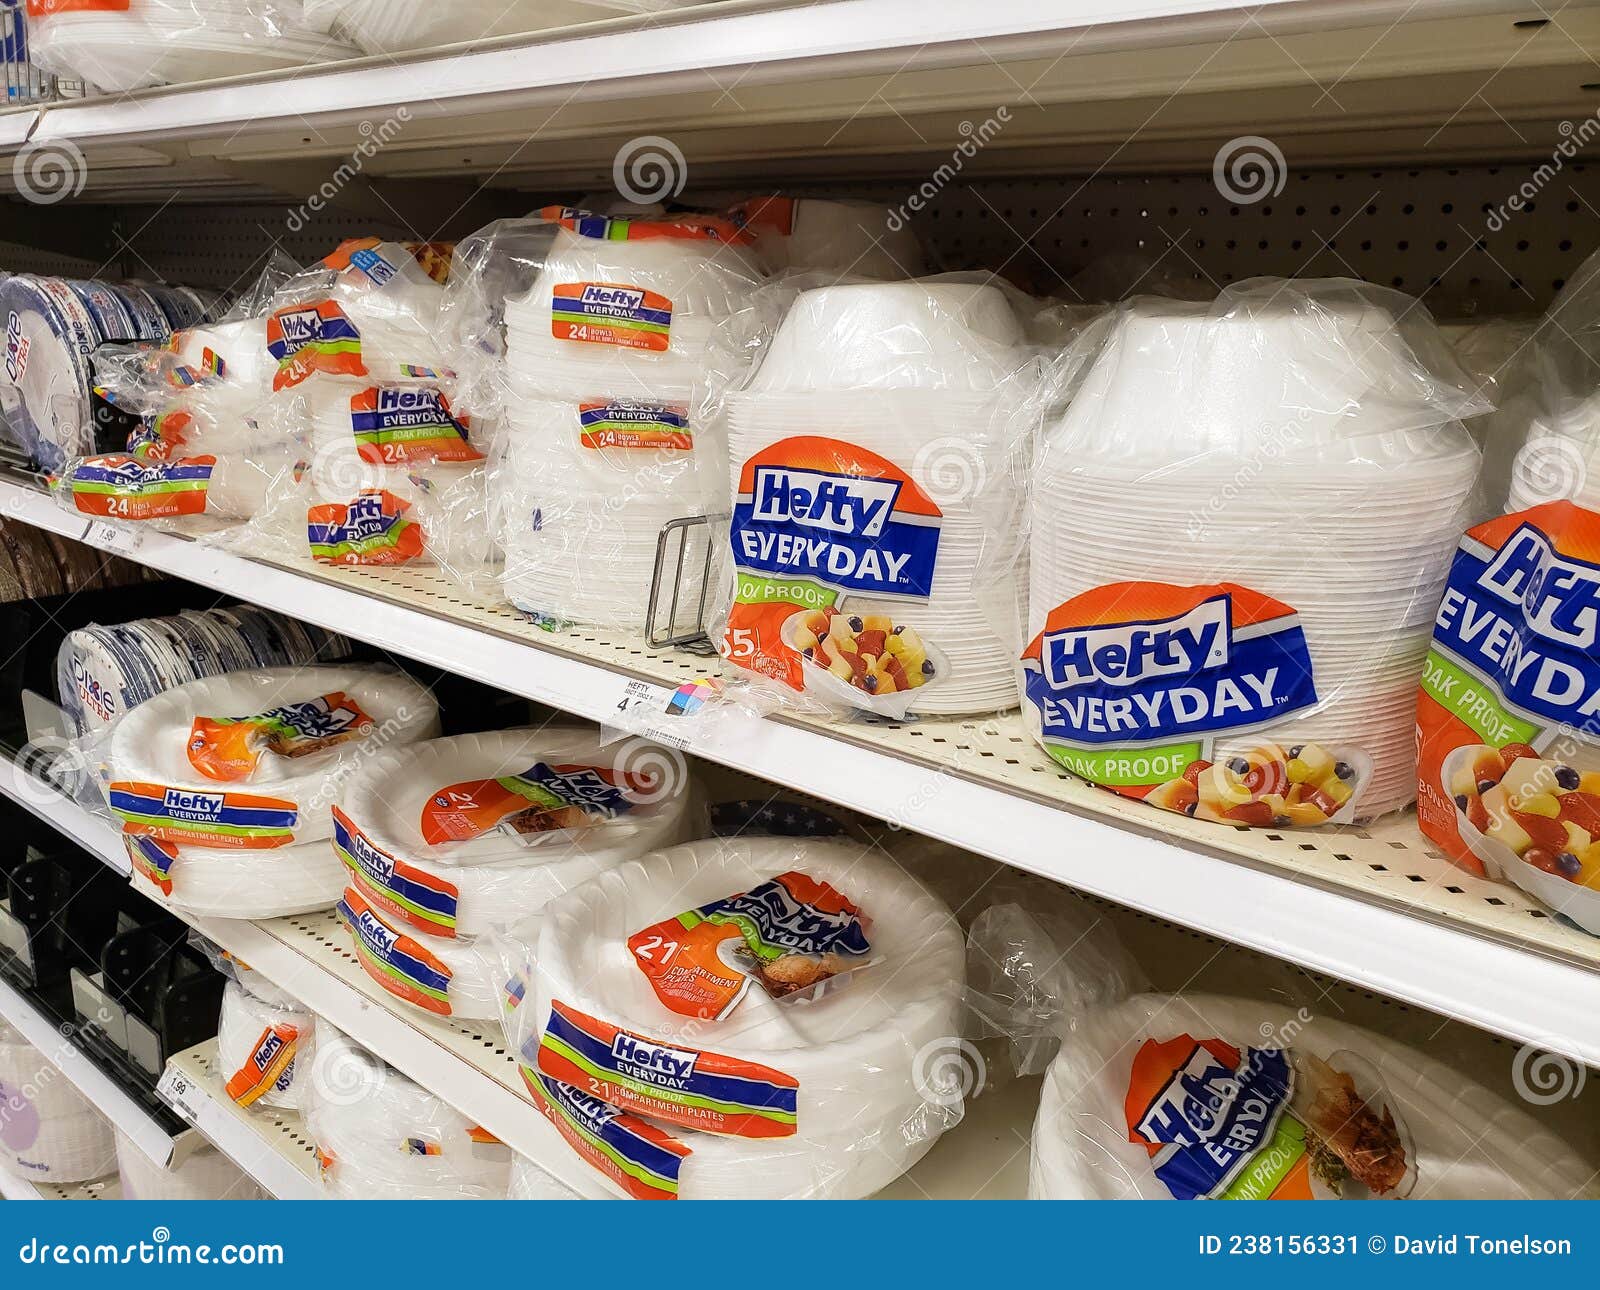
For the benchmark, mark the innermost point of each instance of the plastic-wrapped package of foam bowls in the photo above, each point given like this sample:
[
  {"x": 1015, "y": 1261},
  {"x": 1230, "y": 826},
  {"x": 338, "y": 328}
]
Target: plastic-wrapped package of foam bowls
[
  {"x": 256, "y": 760},
  {"x": 203, "y": 1173},
  {"x": 797, "y": 985},
  {"x": 1220, "y": 666},
  {"x": 382, "y": 1137},
  {"x": 48, "y": 1131}
]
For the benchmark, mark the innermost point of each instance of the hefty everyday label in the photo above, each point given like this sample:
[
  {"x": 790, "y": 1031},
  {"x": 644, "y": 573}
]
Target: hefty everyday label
[
  {"x": 371, "y": 529},
  {"x": 122, "y": 487},
  {"x": 269, "y": 1066},
  {"x": 690, "y": 1087},
  {"x": 236, "y": 821},
  {"x": 794, "y": 936},
  {"x": 641, "y": 1158},
  {"x": 1515, "y": 659},
  {"x": 543, "y": 799},
  {"x": 611, "y": 313},
  {"x": 1213, "y": 1120},
  {"x": 815, "y": 521},
  {"x": 428, "y": 903},
  {"x": 397, "y": 962},
  {"x": 397, "y": 425},
  {"x": 311, "y": 338},
  {"x": 230, "y": 748},
  {"x": 153, "y": 859},
  {"x": 622, "y": 423}
]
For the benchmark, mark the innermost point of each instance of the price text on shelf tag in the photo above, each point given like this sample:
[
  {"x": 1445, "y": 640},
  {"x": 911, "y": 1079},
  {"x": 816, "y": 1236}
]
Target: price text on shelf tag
[
  {"x": 175, "y": 1087},
  {"x": 642, "y": 710}
]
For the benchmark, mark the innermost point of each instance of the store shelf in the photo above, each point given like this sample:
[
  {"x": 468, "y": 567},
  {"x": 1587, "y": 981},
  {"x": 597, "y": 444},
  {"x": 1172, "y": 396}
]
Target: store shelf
[
  {"x": 1376, "y": 906},
  {"x": 875, "y": 87},
  {"x": 102, "y": 1090},
  {"x": 266, "y": 1142},
  {"x": 13, "y": 1188}
]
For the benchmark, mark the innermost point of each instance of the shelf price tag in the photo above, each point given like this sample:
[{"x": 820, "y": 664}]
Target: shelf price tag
[
  {"x": 111, "y": 537},
  {"x": 643, "y": 709},
  {"x": 176, "y": 1089}
]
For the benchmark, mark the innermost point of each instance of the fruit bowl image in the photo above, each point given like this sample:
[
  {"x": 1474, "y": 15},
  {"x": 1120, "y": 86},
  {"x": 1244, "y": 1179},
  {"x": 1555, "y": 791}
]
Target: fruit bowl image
[
  {"x": 1302, "y": 785},
  {"x": 1533, "y": 821},
  {"x": 865, "y": 661}
]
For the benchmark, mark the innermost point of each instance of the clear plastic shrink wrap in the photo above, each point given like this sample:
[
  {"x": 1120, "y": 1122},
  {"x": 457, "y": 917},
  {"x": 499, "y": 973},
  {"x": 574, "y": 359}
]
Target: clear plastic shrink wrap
[
  {"x": 1195, "y": 1095},
  {"x": 381, "y": 1137},
  {"x": 398, "y": 26},
  {"x": 599, "y": 347},
  {"x": 255, "y": 761},
  {"x": 1239, "y": 531},
  {"x": 850, "y": 239},
  {"x": 202, "y": 1174},
  {"x": 121, "y": 45},
  {"x": 800, "y": 987},
  {"x": 1509, "y": 767},
  {"x": 449, "y": 842},
  {"x": 48, "y": 1132},
  {"x": 260, "y": 1047},
  {"x": 878, "y": 488}
]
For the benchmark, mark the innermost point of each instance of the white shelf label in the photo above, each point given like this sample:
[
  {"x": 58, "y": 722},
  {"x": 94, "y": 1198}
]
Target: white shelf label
[
  {"x": 642, "y": 710},
  {"x": 175, "y": 1087},
  {"x": 112, "y": 537}
]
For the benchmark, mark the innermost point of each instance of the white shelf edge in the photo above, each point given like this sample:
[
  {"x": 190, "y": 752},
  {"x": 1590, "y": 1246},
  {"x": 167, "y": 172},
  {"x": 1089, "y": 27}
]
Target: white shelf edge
[
  {"x": 45, "y": 801},
  {"x": 238, "y": 1134},
  {"x": 101, "y": 1089},
  {"x": 1510, "y": 990},
  {"x": 14, "y": 1188}
]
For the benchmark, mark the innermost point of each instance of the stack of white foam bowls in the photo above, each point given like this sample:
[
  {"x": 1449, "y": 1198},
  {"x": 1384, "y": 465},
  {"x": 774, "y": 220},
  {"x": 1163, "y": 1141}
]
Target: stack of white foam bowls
[
  {"x": 160, "y": 42},
  {"x": 579, "y": 524},
  {"x": 851, "y": 239},
  {"x": 204, "y": 1173},
  {"x": 381, "y": 1137},
  {"x": 397, "y": 26},
  {"x": 1294, "y": 449},
  {"x": 48, "y": 1132},
  {"x": 1560, "y": 460},
  {"x": 929, "y": 375},
  {"x": 420, "y": 870},
  {"x": 863, "y": 1112}
]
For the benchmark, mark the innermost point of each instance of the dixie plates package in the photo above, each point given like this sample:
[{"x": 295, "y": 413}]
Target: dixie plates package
[
  {"x": 1193, "y": 1095},
  {"x": 757, "y": 1010},
  {"x": 381, "y": 1137},
  {"x": 48, "y": 1132},
  {"x": 450, "y": 841},
  {"x": 255, "y": 760},
  {"x": 1240, "y": 529},
  {"x": 874, "y": 485}
]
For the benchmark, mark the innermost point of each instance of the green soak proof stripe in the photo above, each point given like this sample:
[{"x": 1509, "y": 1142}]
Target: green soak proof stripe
[
  {"x": 1127, "y": 767},
  {"x": 1272, "y": 1163},
  {"x": 1474, "y": 702},
  {"x": 760, "y": 591}
]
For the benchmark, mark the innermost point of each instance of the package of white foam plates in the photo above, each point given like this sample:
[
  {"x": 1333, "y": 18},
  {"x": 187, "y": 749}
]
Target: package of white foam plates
[
  {"x": 121, "y": 45},
  {"x": 1240, "y": 528},
  {"x": 877, "y": 492},
  {"x": 1156, "y": 1096},
  {"x": 198, "y": 1171},
  {"x": 103, "y": 671},
  {"x": 599, "y": 346},
  {"x": 453, "y": 840},
  {"x": 852, "y": 239},
  {"x": 400, "y": 26},
  {"x": 52, "y": 328},
  {"x": 741, "y": 1018},
  {"x": 250, "y": 763},
  {"x": 259, "y": 1042},
  {"x": 381, "y": 1137},
  {"x": 48, "y": 1132}
]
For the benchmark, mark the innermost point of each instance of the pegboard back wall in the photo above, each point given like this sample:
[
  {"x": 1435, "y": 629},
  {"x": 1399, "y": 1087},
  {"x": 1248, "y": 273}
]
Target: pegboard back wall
[{"x": 1450, "y": 235}]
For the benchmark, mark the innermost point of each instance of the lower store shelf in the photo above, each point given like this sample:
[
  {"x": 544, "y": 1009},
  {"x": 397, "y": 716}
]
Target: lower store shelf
[
  {"x": 14, "y": 1188},
  {"x": 1376, "y": 906}
]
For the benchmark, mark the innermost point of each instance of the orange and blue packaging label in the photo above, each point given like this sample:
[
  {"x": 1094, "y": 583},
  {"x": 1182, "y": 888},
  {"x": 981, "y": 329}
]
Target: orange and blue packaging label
[
  {"x": 153, "y": 859},
  {"x": 194, "y": 817},
  {"x": 374, "y": 528},
  {"x": 690, "y": 1087},
  {"x": 627, "y": 424},
  {"x": 313, "y": 338},
  {"x": 611, "y": 313},
  {"x": 427, "y": 902},
  {"x": 542, "y": 799},
  {"x": 123, "y": 487},
  {"x": 397, "y": 962},
  {"x": 793, "y": 936},
  {"x": 400, "y": 425},
  {"x": 229, "y": 749},
  {"x": 641, "y": 1158},
  {"x": 269, "y": 1066}
]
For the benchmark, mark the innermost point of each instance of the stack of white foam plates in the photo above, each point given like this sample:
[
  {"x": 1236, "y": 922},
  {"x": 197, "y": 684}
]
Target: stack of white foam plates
[
  {"x": 397, "y": 26},
  {"x": 160, "y": 42},
  {"x": 1462, "y": 1141},
  {"x": 531, "y": 1182},
  {"x": 203, "y": 1174},
  {"x": 260, "y": 1045},
  {"x": 1560, "y": 460},
  {"x": 839, "y": 1068},
  {"x": 1499, "y": 355},
  {"x": 1296, "y": 451},
  {"x": 851, "y": 239},
  {"x": 921, "y": 384},
  {"x": 610, "y": 359},
  {"x": 381, "y": 1137},
  {"x": 48, "y": 1132},
  {"x": 102, "y": 672},
  {"x": 450, "y": 841},
  {"x": 171, "y": 781}
]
